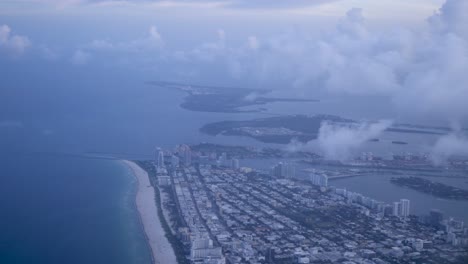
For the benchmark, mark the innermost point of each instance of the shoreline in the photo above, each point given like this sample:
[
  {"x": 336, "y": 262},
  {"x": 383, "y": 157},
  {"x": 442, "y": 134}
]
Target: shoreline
[{"x": 160, "y": 248}]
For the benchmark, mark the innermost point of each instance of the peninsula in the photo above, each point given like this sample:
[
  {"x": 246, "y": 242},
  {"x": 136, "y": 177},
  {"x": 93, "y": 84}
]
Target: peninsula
[{"x": 224, "y": 99}]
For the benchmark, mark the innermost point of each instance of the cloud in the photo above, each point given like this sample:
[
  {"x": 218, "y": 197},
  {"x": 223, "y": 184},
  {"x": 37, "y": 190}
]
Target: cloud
[
  {"x": 80, "y": 57},
  {"x": 141, "y": 52},
  {"x": 276, "y": 4},
  {"x": 455, "y": 144},
  {"x": 423, "y": 72},
  {"x": 151, "y": 42},
  {"x": 340, "y": 141},
  {"x": 256, "y": 4},
  {"x": 12, "y": 44}
]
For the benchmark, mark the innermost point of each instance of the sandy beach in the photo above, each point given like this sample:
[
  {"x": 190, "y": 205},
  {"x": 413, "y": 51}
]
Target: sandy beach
[{"x": 145, "y": 202}]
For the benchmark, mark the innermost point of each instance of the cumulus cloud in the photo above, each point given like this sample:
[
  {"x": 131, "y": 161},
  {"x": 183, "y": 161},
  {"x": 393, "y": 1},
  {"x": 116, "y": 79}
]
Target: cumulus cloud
[
  {"x": 338, "y": 141},
  {"x": 423, "y": 72},
  {"x": 80, "y": 57},
  {"x": 152, "y": 41},
  {"x": 455, "y": 144},
  {"x": 12, "y": 44}
]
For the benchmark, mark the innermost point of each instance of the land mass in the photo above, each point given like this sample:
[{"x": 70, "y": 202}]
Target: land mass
[
  {"x": 280, "y": 130},
  {"x": 224, "y": 99},
  {"x": 436, "y": 189},
  {"x": 283, "y": 129}
]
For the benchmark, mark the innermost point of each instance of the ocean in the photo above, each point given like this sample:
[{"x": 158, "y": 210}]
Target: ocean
[{"x": 68, "y": 209}]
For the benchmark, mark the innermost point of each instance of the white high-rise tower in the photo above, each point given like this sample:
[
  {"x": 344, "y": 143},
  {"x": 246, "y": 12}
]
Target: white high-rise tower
[{"x": 160, "y": 158}]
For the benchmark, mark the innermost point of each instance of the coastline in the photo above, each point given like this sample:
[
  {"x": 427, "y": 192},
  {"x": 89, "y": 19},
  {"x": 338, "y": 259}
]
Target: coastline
[{"x": 161, "y": 249}]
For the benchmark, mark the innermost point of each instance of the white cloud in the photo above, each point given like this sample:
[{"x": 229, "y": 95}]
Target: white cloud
[
  {"x": 423, "y": 72},
  {"x": 341, "y": 141},
  {"x": 127, "y": 50},
  {"x": 455, "y": 144},
  {"x": 225, "y": 3},
  {"x": 338, "y": 142},
  {"x": 12, "y": 44}
]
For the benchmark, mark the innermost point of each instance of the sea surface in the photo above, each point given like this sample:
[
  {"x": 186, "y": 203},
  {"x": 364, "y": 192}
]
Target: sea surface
[
  {"x": 68, "y": 209},
  {"x": 60, "y": 206}
]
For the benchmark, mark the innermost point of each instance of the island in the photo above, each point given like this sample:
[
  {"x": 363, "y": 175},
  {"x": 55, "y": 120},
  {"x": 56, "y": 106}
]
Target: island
[
  {"x": 436, "y": 189},
  {"x": 204, "y": 98},
  {"x": 284, "y": 129},
  {"x": 279, "y": 130}
]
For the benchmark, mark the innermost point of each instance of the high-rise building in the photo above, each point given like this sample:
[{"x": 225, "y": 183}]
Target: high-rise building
[
  {"x": 175, "y": 161},
  {"x": 396, "y": 208},
  {"x": 160, "y": 158},
  {"x": 235, "y": 164},
  {"x": 319, "y": 180},
  {"x": 289, "y": 171},
  {"x": 283, "y": 170},
  {"x": 405, "y": 207},
  {"x": 401, "y": 208},
  {"x": 185, "y": 154}
]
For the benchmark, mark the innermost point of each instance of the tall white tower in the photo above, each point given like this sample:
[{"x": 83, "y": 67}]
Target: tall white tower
[{"x": 160, "y": 157}]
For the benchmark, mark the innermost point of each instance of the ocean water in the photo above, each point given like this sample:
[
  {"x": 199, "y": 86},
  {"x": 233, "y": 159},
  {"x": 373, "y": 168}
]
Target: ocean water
[{"x": 68, "y": 209}]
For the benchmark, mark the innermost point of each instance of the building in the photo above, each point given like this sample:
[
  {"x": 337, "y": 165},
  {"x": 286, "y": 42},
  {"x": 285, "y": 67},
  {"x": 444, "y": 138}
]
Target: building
[
  {"x": 401, "y": 208},
  {"x": 405, "y": 207},
  {"x": 185, "y": 154},
  {"x": 235, "y": 164},
  {"x": 202, "y": 250},
  {"x": 175, "y": 161},
  {"x": 396, "y": 209},
  {"x": 164, "y": 180},
  {"x": 283, "y": 170},
  {"x": 160, "y": 158},
  {"x": 319, "y": 180}
]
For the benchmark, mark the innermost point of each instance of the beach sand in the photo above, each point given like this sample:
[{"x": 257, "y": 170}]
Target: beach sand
[{"x": 146, "y": 205}]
